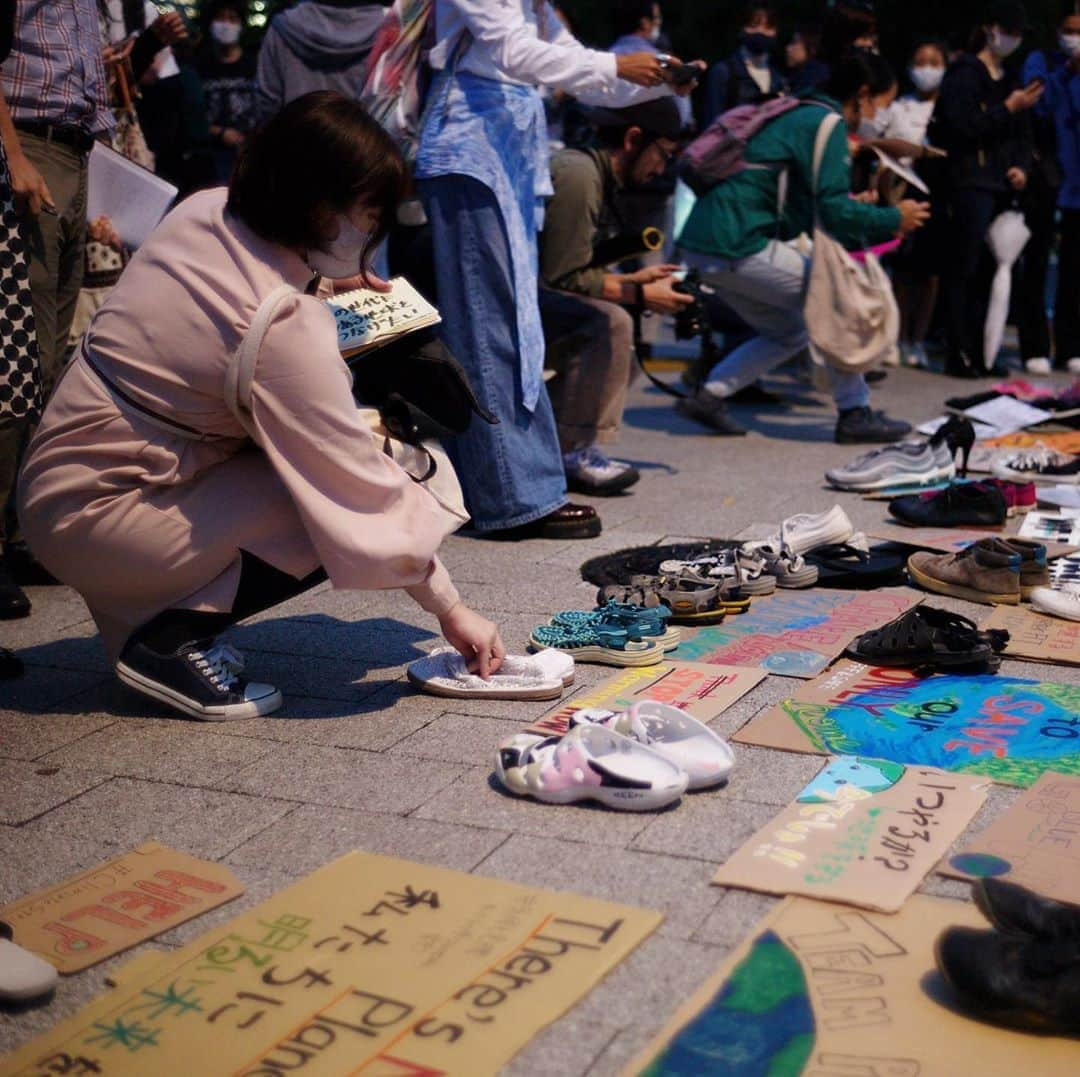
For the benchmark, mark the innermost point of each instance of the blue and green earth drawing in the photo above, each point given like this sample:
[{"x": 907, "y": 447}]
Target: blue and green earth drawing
[{"x": 1007, "y": 729}]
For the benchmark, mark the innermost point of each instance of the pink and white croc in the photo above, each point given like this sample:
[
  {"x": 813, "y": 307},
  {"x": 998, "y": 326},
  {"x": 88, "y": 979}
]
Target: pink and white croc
[
  {"x": 679, "y": 737},
  {"x": 590, "y": 762}
]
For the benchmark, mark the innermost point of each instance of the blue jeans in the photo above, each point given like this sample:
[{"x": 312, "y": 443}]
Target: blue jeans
[
  {"x": 512, "y": 473},
  {"x": 767, "y": 290}
]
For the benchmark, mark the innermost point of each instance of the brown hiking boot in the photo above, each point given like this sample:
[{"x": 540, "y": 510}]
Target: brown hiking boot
[
  {"x": 980, "y": 573},
  {"x": 1033, "y": 570}
]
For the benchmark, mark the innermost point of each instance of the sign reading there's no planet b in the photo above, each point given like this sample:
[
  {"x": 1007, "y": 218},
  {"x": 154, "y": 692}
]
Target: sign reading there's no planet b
[{"x": 864, "y": 832}]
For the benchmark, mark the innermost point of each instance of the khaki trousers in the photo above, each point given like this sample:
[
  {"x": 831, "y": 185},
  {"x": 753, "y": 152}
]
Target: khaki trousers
[
  {"x": 590, "y": 346},
  {"x": 55, "y": 246}
]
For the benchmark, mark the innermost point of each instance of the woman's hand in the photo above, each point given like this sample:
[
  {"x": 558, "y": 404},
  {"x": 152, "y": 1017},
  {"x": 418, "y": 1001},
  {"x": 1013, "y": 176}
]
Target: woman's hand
[
  {"x": 912, "y": 215},
  {"x": 169, "y": 28},
  {"x": 1017, "y": 178},
  {"x": 1028, "y": 97},
  {"x": 650, "y": 273},
  {"x": 642, "y": 68},
  {"x": 349, "y": 284},
  {"x": 475, "y": 638}
]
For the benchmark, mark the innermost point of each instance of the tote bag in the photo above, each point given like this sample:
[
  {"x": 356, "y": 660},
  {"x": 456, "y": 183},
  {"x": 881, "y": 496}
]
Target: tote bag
[{"x": 851, "y": 312}]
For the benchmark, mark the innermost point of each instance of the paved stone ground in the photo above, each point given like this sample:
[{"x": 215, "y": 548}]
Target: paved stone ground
[{"x": 356, "y": 760}]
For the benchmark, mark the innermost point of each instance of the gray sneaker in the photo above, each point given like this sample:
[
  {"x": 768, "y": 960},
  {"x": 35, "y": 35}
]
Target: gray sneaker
[{"x": 906, "y": 463}]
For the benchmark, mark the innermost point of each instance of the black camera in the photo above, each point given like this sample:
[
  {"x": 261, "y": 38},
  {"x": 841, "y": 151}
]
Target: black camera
[{"x": 693, "y": 320}]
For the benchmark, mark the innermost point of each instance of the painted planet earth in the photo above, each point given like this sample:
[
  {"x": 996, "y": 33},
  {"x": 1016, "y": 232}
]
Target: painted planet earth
[{"x": 981, "y": 865}]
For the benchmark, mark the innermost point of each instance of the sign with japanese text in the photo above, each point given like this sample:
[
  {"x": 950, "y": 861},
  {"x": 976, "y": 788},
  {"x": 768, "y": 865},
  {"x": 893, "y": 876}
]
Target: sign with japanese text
[
  {"x": 864, "y": 831},
  {"x": 824, "y": 991},
  {"x": 701, "y": 690},
  {"x": 116, "y": 905},
  {"x": 1003, "y": 728},
  {"x": 371, "y": 965},
  {"x": 796, "y": 633},
  {"x": 365, "y": 318},
  {"x": 1037, "y": 637},
  {"x": 1035, "y": 842}
]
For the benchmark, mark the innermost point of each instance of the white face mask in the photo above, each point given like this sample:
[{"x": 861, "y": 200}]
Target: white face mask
[
  {"x": 1069, "y": 44},
  {"x": 654, "y": 33},
  {"x": 343, "y": 256},
  {"x": 225, "y": 33},
  {"x": 872, "y": 127},
  {"x": 1003, "y": 45},
  {"x": 926, "y": 79}
]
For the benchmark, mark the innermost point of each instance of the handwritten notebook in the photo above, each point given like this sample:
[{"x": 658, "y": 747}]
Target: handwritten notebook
[{"x": 367, "y": 320}]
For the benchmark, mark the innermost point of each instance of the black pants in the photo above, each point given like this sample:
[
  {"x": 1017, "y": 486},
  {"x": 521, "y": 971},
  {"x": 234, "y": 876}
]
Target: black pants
[
  {"x": 970, "y": 270},
  {"x": 1040, "y": 211},
  {"x": 260, "y": 588},
  {"x": 1067, "y": 307}
]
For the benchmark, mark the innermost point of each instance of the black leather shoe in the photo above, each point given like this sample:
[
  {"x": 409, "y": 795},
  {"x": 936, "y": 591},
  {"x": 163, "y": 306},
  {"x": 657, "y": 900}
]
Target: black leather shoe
[
  {"x": 11, "y": 665},
  {"x": 711, "y": 411},
  {"x": 861, "y": 426},
  {"x": 13, "y": 600},
  {"x": 1018, "y": 911},
  {"x": 958, "y": 505},
  {"x": 568, "y": 522},
  {"x": 1020, "y": 982}
]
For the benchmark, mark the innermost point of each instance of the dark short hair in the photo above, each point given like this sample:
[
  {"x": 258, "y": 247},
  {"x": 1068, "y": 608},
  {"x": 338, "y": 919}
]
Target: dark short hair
[
  {"x": 209, "y": 11},
  {"x": 858, "y": 69},
  {"x": 748, "y": 11},
  {"x": 657, "y": 118},
  {"x": 322, "y": 149},
  {"x": 1010, "y": 15},
  {"x": 629, "y": 13}
]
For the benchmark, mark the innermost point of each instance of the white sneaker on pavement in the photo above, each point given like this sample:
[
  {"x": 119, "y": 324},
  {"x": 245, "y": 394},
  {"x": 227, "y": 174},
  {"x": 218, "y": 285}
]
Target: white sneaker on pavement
[
  {"x": 1038, "y": 365},
  {"x": 591, "y": 471},
  {"x": 1063, "y": 602}
]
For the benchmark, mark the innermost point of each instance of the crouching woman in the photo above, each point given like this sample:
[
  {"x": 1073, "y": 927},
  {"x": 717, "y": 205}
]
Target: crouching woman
[{"x": 173, "y": 515}]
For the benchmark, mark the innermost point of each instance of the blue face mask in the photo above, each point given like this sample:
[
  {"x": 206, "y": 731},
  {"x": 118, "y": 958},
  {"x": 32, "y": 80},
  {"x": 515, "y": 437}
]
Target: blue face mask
[{"x": 757, "y": 44}]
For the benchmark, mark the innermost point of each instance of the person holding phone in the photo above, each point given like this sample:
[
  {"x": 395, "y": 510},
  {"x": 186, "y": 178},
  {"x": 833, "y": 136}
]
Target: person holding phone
[{"x": 982, "y": 119}]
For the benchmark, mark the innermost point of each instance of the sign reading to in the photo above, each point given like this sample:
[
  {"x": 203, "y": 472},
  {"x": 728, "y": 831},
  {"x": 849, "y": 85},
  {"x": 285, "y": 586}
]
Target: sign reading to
[
  {"x": 1008, "y": 730},
  {"x": 371, "y": 965},
  {"x": 864, "y": 831}
]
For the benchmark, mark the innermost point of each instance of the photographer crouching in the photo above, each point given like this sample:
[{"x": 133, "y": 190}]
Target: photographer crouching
[{"x": 586, "y": 309}]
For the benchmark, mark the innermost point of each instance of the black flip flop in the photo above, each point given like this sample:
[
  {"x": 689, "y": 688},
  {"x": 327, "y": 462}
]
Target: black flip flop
[{"x": 848, "y": 568}]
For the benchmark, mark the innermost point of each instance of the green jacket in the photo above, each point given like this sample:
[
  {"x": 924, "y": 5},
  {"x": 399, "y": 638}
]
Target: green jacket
[{"x": 738, "y": 217}]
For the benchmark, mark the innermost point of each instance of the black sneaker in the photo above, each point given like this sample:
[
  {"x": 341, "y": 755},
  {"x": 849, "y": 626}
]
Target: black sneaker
[
  {"x": 968, "y": 504},
  {"x": 711, "y": 411},
  {"x": 13, "y": 600},
  {"x": 203, "y": 679},
  {"x": 861, "y": 426}
]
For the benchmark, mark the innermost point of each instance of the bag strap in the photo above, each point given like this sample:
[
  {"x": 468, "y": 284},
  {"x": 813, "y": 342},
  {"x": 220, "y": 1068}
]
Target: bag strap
[
  {"x": 821, "y": 142},
  {"x": 241, "y": 370}
]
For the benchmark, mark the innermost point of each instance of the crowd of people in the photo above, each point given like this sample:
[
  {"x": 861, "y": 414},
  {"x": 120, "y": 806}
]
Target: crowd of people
[{"x": 536, "y": 208}]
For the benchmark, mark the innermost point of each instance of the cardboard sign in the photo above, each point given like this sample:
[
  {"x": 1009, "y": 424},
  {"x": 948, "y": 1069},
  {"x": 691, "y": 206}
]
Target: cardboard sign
[
  {"x": 940, "y": 539},
  {"x": 371, "y": 965},
  {"x": 117, "y": 905},
  {"x": 864, "y": 831},
  {"x": 701, "y": 690},
  {"x": 1035, "y": 842},
  {"x": 1004, "y": 728},
  {"x": 798, "y": 633},
  {"x": 831, "y": 992},
  {"x": 1061, "y": 527},
  {"x": 1037, "y": 637}
]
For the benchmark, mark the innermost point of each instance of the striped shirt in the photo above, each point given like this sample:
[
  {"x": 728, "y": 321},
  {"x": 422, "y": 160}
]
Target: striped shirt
[{"x": 55, "y": 74}]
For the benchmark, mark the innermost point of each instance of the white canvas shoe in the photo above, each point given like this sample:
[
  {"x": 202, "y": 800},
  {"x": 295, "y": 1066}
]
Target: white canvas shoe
[
  {"x": 24, "y": 975},
  {"x": 806, "y": 531},
  {"x": 1038, "y": 365},
  {"x": 1073, "y": 365},
  {"x": 1063, "y": 602}
]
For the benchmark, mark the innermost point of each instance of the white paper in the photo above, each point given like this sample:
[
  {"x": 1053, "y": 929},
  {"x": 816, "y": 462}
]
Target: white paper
[
  {"x": 902, "y": 170},
  {"x": 132, "y": 197},
  {"x": 1063, "y": 527},
  {"x": 1064, "y": 497},
  {"x": 1006, "y": 415},
  {"x": 982, "y": 431}
]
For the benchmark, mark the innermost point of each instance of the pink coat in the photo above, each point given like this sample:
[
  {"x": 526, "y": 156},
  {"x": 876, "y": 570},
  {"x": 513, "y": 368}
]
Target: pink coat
[{"x": 139, "y": 519}]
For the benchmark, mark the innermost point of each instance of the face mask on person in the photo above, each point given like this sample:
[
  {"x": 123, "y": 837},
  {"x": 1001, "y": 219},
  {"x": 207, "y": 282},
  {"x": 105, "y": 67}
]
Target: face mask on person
[
  {"x": 343, "y": 256},
  {"x": 926, "y": 79},
  {"x": 1069, "y": 44},
  {"x": 225, "y": 33},
  {"x": 1003, "y": 45},
  {"x": 756, "y": 44},
  {"x": 871, "y": 127},
  {"x": 654, "y": 32}
]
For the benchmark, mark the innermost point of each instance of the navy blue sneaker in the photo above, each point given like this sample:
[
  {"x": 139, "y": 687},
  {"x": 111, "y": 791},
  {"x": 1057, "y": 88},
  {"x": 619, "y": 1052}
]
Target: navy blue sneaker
[{"x": 861, "y": 426}]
